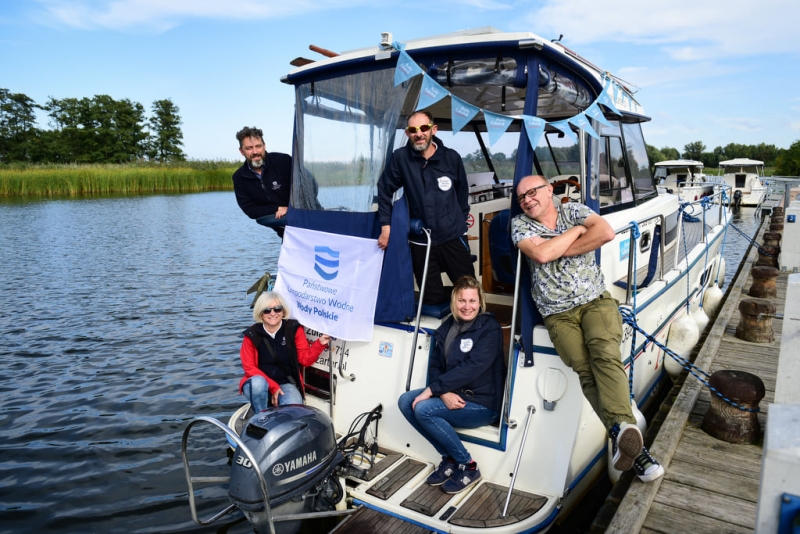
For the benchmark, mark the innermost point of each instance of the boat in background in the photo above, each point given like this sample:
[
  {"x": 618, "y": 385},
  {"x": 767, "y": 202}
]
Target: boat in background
[
  {"x": 683, "y": 176},
  {"x": 512, "y": 104},
  {"x": 746, "y": 179}
]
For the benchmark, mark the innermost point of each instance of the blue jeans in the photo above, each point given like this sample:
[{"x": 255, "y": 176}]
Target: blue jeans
[
  {"x": 435, "y": 422},
  {"x": 256, "y": 390},
  {"x": 276, "y": 224}
]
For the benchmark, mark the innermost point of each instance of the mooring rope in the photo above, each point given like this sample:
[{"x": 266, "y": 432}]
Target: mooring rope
[
  {"x": 754, "y": 242},
  {"x": 630, "y": 319},
  {"x": 636, "y": 232}
]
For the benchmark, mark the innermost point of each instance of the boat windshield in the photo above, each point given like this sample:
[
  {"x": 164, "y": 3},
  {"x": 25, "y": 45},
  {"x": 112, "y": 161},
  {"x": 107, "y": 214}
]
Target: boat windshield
[{"x": 345, "y": 128}]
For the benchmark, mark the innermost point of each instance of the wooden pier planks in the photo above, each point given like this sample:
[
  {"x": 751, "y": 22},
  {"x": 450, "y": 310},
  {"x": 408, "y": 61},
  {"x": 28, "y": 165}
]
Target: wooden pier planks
[{"x": 710, "y": 486}]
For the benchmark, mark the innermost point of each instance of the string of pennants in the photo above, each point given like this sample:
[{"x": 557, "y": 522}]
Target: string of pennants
[{"x": 497, "y": 124}]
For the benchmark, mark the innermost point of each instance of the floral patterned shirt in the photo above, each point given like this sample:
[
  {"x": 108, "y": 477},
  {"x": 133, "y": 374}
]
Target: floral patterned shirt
[{"x": 565, "y": 283}]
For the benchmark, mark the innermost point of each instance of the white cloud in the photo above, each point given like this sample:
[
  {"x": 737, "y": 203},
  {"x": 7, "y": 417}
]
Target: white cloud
[
  {"x": 687, "y": 29},
  {"x": 161, "y": 15}
]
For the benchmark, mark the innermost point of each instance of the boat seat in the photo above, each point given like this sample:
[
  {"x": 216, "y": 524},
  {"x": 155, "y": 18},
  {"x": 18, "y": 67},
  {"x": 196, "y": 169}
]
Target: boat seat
[
  {"x": 437, "y": 311},
  {"x": 501, "y": 249}
]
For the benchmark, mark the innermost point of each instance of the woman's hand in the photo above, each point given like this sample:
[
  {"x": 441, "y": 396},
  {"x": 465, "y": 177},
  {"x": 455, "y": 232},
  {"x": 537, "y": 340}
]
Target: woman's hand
[
  {"x": 324, "y": 340},
  {"x": 275, "y": 396},
  {"x": 425, "y": 395},
  {"x": 453, "y": 401}
]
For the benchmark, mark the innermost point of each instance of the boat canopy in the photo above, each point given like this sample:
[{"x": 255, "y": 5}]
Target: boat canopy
[{"x": 351, "y": 113}]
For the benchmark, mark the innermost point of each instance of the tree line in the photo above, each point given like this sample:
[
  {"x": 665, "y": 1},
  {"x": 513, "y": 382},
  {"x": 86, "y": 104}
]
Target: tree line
[
  {"x": 88, "y": 130},
  {"x": 786, "y": 162}
]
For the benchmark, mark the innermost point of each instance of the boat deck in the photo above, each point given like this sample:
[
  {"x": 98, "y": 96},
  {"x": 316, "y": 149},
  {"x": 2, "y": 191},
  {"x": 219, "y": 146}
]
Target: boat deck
[
  {"x": 710, "y": 486},
  {"x": 481, "y": 507}
]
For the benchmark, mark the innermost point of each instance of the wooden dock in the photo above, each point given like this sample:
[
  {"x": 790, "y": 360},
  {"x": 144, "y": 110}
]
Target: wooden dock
[{"x": 710, "y": 486}]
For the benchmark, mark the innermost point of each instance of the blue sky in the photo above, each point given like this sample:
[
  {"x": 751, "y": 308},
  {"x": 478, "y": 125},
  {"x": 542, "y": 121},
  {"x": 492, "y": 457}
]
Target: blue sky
[{"x": 717, "y": 72}]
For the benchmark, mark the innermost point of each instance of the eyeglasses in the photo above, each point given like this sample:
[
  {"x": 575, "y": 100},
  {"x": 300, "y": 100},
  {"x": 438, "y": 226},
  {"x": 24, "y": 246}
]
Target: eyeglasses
[
  {"x": 276, "y": 309},
  {"x": 530, "y": 193},
  {"x": 414, "y": 129}
]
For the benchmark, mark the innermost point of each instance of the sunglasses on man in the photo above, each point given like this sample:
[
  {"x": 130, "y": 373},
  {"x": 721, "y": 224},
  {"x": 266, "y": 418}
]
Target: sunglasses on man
[{"x": 414, "y": 129}]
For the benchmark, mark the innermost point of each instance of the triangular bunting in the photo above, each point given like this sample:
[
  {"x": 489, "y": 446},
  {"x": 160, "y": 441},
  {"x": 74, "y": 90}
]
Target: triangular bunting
[
  {"x": 496, "y": 125},
  {"x": 430, "y": 93},
  {"x": 581, "y": 121},
  {"x": 564, "y": 127},
  {"x": 605, "y": 99},
  {"x": 461, "y": 113},
  {"x": 534, "y": 127},
  {"x": 406, "y": 69},
  {"x": 594, "y": 112}
]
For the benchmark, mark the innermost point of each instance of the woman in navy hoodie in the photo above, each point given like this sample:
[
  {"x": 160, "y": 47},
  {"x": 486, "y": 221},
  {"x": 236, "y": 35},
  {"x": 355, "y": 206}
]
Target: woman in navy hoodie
[{"x": 465, "y": 385}]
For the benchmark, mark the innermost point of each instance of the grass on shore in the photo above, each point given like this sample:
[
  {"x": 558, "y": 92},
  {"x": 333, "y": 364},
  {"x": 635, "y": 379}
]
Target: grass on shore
[{"x": 132, "y": 178}]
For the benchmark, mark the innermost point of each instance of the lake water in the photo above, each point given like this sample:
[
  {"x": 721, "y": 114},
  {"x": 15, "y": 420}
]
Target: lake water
[{"x": 120, "y": 323}]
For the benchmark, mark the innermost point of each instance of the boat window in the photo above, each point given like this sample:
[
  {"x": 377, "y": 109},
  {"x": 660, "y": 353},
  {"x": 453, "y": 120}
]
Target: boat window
[
  {"x": 613, "y": 181},
  {"x": 495, "y": 84},
  {"x": 558, "y": 155},
  {"x": 502, "y": 155},
  {"x": 638, "y": 161},
  {"x": 561, "y": 93},
  {"x": 344, "y": 130}
]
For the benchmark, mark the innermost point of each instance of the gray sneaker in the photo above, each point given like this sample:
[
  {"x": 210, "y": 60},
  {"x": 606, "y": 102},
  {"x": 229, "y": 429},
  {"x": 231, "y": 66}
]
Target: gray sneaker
[{"x": 626, "y": 443}]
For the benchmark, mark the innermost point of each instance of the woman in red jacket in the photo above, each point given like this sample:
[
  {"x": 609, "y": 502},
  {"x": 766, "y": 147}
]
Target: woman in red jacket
[{"x": 273, "y": 350}]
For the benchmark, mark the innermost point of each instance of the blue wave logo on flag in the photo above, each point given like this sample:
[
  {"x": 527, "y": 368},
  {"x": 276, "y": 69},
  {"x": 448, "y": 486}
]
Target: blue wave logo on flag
[{"x": 326, "y": 262}]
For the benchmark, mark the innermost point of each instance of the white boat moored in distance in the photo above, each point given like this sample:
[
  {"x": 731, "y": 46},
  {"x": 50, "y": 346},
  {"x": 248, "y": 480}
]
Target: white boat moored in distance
[
  {"x": 683, "y": 176},
  {"x": 549, "y": 446},
  {"x": 746, "y": 178}
]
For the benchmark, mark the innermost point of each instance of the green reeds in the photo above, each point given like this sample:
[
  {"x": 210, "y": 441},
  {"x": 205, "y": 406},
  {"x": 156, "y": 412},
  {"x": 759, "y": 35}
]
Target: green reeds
[{"x": 134, "y": 178}]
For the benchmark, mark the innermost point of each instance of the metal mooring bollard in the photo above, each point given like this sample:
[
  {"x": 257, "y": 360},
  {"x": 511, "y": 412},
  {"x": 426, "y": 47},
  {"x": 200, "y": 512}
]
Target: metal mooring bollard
[
  {"x": 777, "y": 210},
  {"x": 768, "y": 256},
  {"x": 776, "y": 227},
  {"x": 772, "y": 239},
  {"x": 755, "y": 322},
  {"x": 729, "y": 423},
  {"x": 764, "y": 278}
]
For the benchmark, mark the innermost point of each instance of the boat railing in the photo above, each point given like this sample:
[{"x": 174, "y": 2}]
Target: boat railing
[
  {"x": 271, "y": 518},
  {"x": 417, "y": 228},
  {"x": 192, "y": 480},
  {"x": 633, "y": 251},
  {"x": 506, "y": 406}
]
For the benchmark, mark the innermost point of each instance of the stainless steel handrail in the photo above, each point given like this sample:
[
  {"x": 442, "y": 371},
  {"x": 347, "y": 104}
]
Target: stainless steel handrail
[
  {"x": 419, "y": 310},
  {"x": 506, "y": 406},
  {"x": 190, "y": 480},
  {"x": 531, "y": 411},
  {"x": 352, "y": 377},
  {"x": 661, "y": 250}
]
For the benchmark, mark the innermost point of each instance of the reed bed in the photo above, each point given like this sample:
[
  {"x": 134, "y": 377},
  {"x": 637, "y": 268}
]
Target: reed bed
[{"x": 126, "y": 179}]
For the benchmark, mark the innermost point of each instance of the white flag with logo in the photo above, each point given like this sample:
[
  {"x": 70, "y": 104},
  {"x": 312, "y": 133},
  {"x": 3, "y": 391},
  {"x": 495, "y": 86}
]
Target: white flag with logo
[{"x": 330, "y": 281}]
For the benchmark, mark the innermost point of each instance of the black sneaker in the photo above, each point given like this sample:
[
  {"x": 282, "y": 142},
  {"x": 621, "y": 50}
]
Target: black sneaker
[
  {"x": 446, "y": 468},
  {"x": 646, "y": 467},
  {"x": 465, "y": 477},
  {"x": 626, "y": 444}
]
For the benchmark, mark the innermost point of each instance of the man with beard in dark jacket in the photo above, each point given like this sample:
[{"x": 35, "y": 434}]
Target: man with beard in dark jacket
[
  {"x": 262, "y": 184},
  {"x": 434, "y": 182}
]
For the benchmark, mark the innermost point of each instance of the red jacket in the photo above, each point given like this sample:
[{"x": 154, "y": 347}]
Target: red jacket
[{"x": 306, "y": 355}]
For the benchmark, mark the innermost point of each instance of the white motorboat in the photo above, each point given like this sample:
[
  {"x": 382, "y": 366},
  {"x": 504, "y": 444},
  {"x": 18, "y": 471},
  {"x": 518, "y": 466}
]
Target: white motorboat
[
  {"x": 683, "y": 176},
  {"x": 746, "y": 179},
  {"x": 549, "y": 445}
]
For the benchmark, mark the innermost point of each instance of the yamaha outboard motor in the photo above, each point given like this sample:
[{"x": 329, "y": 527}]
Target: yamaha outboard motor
[
  {"x": 737, "y": 198},
  {"x": 295, "y": 450}
]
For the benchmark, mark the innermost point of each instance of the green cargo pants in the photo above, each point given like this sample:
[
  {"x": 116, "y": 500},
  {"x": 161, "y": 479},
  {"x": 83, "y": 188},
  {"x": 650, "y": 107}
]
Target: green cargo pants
[{"x": 587, "y": 338}]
